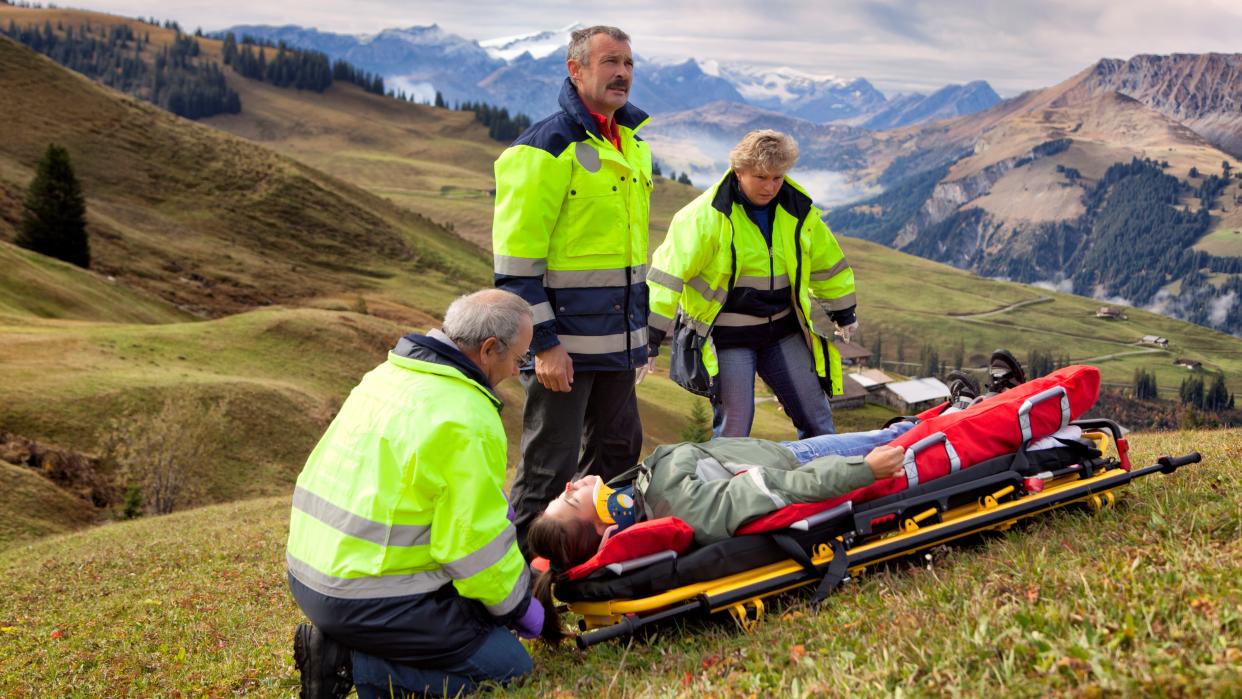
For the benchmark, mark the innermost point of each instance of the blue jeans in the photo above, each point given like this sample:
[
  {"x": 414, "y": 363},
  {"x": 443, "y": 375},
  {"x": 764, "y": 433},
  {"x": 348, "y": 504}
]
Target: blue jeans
[
  {"x": 846, "y": 444},
  {"x": 788, "y": 368},
  {"x": 500, "y": 659}
]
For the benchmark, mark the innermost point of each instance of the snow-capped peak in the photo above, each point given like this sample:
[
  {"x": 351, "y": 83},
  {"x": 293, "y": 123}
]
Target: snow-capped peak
[
  {"x": 538, "y": 44},
  {"x": 780, "y": 84}
]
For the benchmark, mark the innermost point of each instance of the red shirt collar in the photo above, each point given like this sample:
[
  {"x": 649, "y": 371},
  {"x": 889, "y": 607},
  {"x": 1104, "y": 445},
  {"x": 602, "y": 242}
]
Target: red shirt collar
[{"x": 607, "y": 128}]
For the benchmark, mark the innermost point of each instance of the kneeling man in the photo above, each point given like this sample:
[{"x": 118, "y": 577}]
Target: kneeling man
[{"x": 401, "y": 549}]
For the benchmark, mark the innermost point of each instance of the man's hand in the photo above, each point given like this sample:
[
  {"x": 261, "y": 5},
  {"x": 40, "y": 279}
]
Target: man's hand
[
  {"x": 885, "y": 462},
  {"x": 847, "y": 331},
  {"x": 642, "y": 371},
  {"x": 554, "y": 369}
]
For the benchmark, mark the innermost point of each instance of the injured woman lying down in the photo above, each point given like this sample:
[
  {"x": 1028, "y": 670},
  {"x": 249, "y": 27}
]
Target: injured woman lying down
[{"x": 715, "y": 487}]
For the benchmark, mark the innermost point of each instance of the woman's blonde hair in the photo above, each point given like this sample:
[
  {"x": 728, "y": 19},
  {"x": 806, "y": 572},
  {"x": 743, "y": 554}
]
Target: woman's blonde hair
[{"x": 764, "y": 150}]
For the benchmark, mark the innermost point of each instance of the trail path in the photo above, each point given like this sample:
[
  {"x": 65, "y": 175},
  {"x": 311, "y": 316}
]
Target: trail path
[{"x": 1004, "y": 309}]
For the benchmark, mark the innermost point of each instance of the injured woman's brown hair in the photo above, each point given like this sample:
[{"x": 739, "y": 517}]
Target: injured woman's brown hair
[{"x": 565, "y": 543}]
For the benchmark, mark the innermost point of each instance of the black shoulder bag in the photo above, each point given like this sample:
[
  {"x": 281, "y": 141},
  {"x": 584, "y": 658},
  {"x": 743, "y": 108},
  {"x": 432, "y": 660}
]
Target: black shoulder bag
[{"x": 686, "y": 353}]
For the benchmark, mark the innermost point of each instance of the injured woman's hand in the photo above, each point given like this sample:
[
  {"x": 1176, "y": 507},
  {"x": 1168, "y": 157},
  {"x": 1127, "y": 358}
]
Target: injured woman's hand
[{"x": 885, "y": 462}]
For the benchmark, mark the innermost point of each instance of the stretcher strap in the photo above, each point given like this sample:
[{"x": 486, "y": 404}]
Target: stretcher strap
[
  {"x": 830, "y": 579},
  {"x": 912, "y": 469},
  {"x": 838, "y": 569},
  {"x": 1024, "y": 413}
]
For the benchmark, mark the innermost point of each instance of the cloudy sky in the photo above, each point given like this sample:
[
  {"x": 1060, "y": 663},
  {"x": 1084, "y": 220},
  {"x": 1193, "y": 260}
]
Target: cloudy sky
[{"x": 898, "y": 45}]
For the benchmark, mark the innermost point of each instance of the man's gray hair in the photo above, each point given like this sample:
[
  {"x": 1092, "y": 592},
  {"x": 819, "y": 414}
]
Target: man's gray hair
[
  {"x": 580, "y": 41},
  {"x": 473, "y": 318}
]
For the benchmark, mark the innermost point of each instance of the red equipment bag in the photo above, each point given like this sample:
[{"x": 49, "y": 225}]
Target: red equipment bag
[{"x": 946, "y": 443}]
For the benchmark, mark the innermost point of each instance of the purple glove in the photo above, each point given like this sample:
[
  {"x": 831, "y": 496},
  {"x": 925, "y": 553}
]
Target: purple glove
[{"x": 531, "y": 623}]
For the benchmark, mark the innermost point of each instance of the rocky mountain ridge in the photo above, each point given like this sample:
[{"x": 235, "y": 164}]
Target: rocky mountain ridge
[
  {"x": 516, "y": 72},
  {"x": 1117, "y": 183}
]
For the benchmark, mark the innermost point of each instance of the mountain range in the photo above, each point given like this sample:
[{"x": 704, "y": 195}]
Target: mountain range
[
  {"x": 522, "y": 72},
  {"x": 1119, "y": 183}
]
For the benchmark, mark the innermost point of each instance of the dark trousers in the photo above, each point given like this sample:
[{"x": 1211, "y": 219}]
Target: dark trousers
[
  {"x": 592, "y": 429},
  {"x": 501, "y": 658}
]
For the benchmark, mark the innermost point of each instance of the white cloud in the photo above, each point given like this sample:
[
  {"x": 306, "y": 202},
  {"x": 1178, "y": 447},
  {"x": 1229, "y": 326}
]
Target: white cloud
[
  {"x": 1218, "y": 309},
  {"x": 1064, "y": 286}
]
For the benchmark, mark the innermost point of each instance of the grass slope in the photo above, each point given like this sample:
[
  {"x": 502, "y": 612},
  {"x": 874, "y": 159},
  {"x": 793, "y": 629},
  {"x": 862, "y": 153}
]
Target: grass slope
[
  {"x": 34, "y": 507},
  {"x": 1141, "y": 599},
  {"x": 901, "y": 296},
  {"x": 209, "y": 221},
  {"x": 282, "y": 372},
  {"x": 39, "y": 286}
]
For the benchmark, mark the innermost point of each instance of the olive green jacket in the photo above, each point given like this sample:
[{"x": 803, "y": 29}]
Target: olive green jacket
[{"x": 720, "y": 485}]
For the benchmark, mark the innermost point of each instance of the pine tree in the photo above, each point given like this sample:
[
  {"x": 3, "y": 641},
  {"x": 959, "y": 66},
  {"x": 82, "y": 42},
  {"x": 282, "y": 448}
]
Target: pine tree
[
  {"x": 54, "y": 213},
  {"x": 440, "y": 99},
  {"x": 1217, "y": 398},
  {"x": 699, "y": 428},
  {"x": 684, "y": 178}
]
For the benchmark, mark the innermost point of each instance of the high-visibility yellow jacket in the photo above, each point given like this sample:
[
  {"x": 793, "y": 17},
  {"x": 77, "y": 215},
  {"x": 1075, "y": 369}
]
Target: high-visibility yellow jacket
[
  {"x": 569, "y": 234},
  {"x": 404, "y": 496},
  {"x": 691, "y": 270}
]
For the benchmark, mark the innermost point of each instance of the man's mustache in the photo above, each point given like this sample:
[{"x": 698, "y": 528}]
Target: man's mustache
[{"x": 619, "y": 85}]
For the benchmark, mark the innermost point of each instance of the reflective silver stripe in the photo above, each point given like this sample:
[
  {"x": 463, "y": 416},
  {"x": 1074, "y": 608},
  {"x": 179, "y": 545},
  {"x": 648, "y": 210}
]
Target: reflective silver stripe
[
  {"x": 756, "y": 475},
  {"x": 603, "y": 344},
  {"x": 815, "y": 519},
  {"x": 912, "y": 470},
  {"x": 696, "y": 325},
  {"x": 366, "y": 587},
  {"x": 641, "y": 562},
  {"x": 591, "y": 278},
  {"x": 820, "y": 322},
  {"x": 519, "y": 266},
  {"x": 543, "y": 312},
  {"x": 359, "y": 527},
  {"x": 1024, "y": 413},
  {"x": 515, "y": 596},
  {"x": 824, "y": 275},
  {"x": 659, "y": 322},
  {"x": 700, "y": 285},
  {"x": 764, "y": 282},
  {"x": 483, "y": 558},
  {"x": 665, "y": 279},
  {"x": 840, "y": 304},
  {"x": 741, "y": 320}
]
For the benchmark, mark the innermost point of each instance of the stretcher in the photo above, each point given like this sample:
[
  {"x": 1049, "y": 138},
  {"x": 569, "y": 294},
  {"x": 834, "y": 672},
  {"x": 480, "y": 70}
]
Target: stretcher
[{"x": 966, "y": 473}]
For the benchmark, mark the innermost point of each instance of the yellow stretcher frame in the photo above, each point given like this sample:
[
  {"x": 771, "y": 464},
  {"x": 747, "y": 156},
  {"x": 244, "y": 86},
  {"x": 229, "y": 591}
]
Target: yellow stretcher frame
[{"x": 992, "y": 512}]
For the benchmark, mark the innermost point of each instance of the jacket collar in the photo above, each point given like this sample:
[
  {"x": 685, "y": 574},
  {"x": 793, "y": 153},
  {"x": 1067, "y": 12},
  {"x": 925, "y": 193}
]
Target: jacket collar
[
  {"x": 436, "y": 348},
  {"x": 791, "y": 198},
  {"x": 629, "y": 116}
]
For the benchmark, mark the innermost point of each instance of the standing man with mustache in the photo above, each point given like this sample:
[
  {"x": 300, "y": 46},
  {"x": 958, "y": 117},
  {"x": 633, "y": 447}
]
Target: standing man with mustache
[{"x": 570, "y": 237}]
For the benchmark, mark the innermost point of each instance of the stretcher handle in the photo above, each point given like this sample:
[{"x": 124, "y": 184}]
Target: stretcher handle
[
  {"x": 1024, "y": 412},
  {"x": 912, "y": 469},
  {"x": 630, "y": 624},
  {"x": 1172, "y": 463}
]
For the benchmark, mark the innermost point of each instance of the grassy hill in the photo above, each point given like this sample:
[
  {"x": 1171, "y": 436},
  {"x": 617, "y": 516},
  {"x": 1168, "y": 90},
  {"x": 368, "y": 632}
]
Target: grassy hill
[
  {"x": 207, "y": 221},
  {"x": 1136, "y": 600}
]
